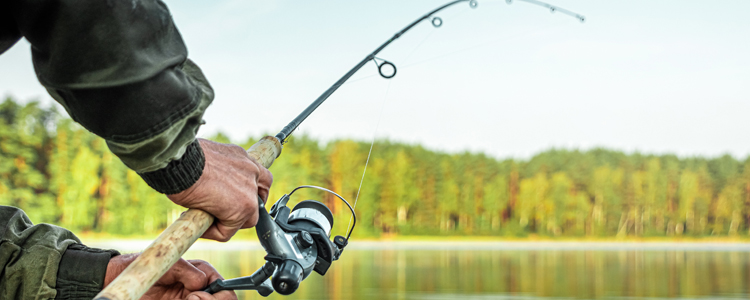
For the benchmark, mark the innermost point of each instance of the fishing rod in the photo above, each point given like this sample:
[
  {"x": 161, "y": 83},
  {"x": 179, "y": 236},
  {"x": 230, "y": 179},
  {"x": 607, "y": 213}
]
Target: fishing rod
[
  {"x": 436, "y": 22},
  {"x": 296, "y": 240},
  {"x": 285, "y": 278}
]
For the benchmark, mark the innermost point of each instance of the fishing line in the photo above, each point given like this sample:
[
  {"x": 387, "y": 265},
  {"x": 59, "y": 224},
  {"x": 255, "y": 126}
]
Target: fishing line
[
  {"x": 420, "y": 44},
  {"x": 553, "y": 8},
  {"x": 452, "y": 17},
  {"x": 476, "y": 46},
  {"x": 436, "y": 22},
  {"x": 512, "y": 37},
  {"x": 382, "y": 106},
  {"x": 372, "y": 144}
]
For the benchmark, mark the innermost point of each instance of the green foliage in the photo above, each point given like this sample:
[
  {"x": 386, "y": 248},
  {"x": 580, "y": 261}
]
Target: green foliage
[{"x": 60, "y": 173}]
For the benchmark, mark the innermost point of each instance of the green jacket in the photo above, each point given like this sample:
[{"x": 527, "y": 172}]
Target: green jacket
[
  {"x": 120, "y": 69},
  {"x": 46, "y": 262}
]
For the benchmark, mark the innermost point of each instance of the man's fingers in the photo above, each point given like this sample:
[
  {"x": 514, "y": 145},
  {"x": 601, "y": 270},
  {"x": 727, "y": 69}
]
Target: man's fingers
[
  {"x": 223, "y": 295},
  {"x": 252, "y": 217},
  {"x": 265, "y": 179},
  {"x": 251, "y": 222},
  {"x": 212, "y": 275},
  {"x": 207, "y": 269},
  {"x": 228, "y": 189},
  {"x": 220, "y": 232},
  {"x": 183, "y": 272}
]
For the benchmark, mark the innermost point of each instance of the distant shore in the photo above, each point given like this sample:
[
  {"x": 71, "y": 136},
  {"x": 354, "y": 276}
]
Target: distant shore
[{"x": 449, "y": 244}]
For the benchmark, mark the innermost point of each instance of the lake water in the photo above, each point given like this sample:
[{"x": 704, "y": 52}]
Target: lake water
[{"x": 464, "y": 271}]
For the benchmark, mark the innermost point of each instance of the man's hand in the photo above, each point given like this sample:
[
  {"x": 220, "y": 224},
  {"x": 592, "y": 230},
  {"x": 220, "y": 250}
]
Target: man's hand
[
  {"x": 228, "y": 189},
  {"x": 185, "y": 280}
]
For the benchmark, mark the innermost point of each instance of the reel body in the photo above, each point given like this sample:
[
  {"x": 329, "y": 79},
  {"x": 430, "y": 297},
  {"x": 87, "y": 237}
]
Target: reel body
[{"x": 296, "y": 242}]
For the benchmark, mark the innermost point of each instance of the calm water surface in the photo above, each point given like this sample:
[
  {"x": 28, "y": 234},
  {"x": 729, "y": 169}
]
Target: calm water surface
[{"x": 526, "y": 273}]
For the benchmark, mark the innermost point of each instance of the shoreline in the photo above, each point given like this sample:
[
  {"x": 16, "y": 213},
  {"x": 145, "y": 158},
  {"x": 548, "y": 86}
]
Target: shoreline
[{"x": 508, "y": 245}]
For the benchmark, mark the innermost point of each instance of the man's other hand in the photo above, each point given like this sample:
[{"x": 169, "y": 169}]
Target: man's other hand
[
  {"x": 228, "y": 189},
  {"x": 185, "y": 280}
]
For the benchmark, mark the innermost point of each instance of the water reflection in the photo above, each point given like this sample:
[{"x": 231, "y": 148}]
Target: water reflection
[{"x": 511, "y": 274}]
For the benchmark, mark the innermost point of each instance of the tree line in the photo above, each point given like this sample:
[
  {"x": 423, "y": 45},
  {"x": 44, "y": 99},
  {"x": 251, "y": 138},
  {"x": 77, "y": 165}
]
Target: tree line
[{"x": 60, "y": 173}]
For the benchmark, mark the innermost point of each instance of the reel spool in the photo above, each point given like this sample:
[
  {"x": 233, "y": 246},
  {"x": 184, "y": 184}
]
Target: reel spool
[{"x": 312, "y": 213}]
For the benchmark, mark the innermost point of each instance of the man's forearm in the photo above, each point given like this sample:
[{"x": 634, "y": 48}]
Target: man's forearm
[
  {"x": 120, "y": 69},
  {"x": 151, "y": 125}
]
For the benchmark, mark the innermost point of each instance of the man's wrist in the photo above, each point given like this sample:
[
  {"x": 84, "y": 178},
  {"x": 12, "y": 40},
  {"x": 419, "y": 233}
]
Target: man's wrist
[
  {"x": 116, "y": 265},
  {"x": 81, "y": 272},
  {"x": 179, "y": 174}
]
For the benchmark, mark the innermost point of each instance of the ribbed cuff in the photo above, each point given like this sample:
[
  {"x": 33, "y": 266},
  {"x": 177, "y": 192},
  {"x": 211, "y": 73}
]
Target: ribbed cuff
[
  {"x": 81, "y": 272},
  {"x": 179, "y": 174}
]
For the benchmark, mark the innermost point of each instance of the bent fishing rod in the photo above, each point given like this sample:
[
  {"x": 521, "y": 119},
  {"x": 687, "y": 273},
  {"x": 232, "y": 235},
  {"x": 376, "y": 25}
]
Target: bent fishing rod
[
  {"x": 436, "y": 22},
  {"x": 296, "y": 240}
]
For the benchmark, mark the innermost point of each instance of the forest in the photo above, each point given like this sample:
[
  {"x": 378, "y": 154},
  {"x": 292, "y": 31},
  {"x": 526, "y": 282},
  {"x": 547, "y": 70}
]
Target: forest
[{"x": 59, "y": 173}]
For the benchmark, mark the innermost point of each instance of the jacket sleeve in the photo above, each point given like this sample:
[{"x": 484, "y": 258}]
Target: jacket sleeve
[
  {"x": 120, "y": 69},
  {"x": 45, "y": 261}
]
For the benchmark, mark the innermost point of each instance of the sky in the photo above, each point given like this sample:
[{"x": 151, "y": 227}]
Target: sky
[{"x": 509, "y": 80}]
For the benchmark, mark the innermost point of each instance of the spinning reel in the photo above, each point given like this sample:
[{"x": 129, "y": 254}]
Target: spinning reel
[{"x": 297, "y": 243}]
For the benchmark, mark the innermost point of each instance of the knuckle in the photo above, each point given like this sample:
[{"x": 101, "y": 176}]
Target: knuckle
[
  {"x": 252, "y": 221},
  {"x": 218, "y": 236},
  {"x": 198, "y": 262},
  {"x": 237, "y": 149},
  {"x": 248, "y": 205}
]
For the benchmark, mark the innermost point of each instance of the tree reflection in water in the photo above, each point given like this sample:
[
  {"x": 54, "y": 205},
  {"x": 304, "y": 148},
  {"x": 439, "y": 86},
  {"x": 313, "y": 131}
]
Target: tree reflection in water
[{"x": 512, "y": 274}]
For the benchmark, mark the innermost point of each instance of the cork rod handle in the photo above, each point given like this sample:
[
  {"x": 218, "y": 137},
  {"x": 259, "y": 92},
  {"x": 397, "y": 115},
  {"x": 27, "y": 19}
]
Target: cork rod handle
[{"x": 171, "y": 244}]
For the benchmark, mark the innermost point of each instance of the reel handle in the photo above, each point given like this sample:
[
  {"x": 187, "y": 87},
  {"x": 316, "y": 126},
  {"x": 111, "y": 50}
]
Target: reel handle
[
  {"x": 287, "y": 277},
  {"x": 257, "y": 281},
  {"x": 171, "y": 244}
]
